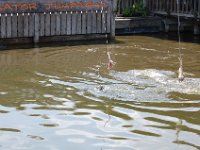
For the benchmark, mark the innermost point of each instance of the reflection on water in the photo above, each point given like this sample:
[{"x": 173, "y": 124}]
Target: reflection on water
[{"x": 53, "y": 98}]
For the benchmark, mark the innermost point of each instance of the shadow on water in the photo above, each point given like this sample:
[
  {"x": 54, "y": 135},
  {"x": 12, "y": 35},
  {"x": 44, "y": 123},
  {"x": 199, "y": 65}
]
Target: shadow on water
[
  {"x": 172, "y": 36},
  {"x": 53, "y": 44},
  {"x": 187, "y": 37}
]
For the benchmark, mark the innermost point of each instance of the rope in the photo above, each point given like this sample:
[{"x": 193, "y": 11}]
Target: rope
[
  {"x": 179, "y": 36},
  {"x": 180, "y": 70}
]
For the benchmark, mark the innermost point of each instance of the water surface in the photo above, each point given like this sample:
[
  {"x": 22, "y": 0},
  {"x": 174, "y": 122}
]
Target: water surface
[{"x": 56, "y": 98}]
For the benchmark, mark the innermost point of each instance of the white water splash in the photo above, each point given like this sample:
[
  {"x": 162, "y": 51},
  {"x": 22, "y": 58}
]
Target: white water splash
[{"x": 135, "y": 85}]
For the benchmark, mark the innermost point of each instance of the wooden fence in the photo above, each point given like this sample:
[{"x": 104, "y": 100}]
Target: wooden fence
[
  {"x": 187, "y": 8},
  {"x": 34, "y": 20}
]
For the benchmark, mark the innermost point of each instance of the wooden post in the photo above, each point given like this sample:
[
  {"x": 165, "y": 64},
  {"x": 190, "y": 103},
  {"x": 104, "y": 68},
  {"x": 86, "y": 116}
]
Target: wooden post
[
  {"x": 69, "y": 23},
  {"x": 47, "y": 24},
  {"x": 89, "y": 22},
  {"x": 8, "y": 25},
  {"x": 94, "y": 22},
  {"x": 58, "y": 23},
  {"x": 20, "y": 27},
  {"x": 84, "y": 22},
  {"x": 63, "y": 23},
  {"x": 36, "y": 31},
  {"x": 42, "y": 24},
  {"x": 14, "y": 25},
  {"x": 26, "y": 25}
]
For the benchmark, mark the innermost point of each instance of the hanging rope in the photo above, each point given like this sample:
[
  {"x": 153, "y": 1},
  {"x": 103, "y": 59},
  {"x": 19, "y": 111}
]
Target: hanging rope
[
  {"x": 180, "y": 70},
  {"x": 110, "y": 63}
]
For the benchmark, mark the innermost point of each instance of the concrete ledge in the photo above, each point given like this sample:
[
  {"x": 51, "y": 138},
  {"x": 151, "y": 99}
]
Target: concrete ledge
[{"x": 129, "y": 25}]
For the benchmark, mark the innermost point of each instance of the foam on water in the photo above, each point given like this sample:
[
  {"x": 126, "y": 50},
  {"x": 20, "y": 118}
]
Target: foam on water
[{"x": 135, "y": 85}]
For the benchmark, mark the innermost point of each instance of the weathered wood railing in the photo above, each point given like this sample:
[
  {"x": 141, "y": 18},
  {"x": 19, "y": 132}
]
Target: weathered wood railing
[
  {"x": 188, "y": 8},
  {"x": 48, "y": 18}
]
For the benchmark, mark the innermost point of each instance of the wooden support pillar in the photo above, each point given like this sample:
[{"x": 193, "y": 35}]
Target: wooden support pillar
[
  {"x": 196, "y": 29},
  {"x": 37, "y": 30}
]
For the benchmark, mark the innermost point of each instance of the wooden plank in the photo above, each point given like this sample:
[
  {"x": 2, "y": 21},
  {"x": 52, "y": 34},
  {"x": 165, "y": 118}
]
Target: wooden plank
[
  {"x": 74, "y": 22},
  {"x": 63, "y": 23},
  {"x": 99, "y": 22},
  {"x": 36, "y": 30},
  {"x": 84, "y": 22},
  {"x": 103, "y": 22},
  {"x": 53, "y": 23},
  {"x": 3, "y": 26},
  {"x": 26, "y": 27},
  {"x": 9, "y": 26},
  {"x": 94, "y": 21},
  {"x": 58, "y": 23},
  {"x": 78, "y": 27},
  {"x": 20, "y": 26},
  {"x": 14, "y": 25},
  {"x": 89, "y": 22},
  {"x": 108, "y": 21},
  {"x": 42, "y": 23},
  {"x": 69, "y": 23},
  {"x": 47, "y": 24},
  {"x": 31, "y": 25}
]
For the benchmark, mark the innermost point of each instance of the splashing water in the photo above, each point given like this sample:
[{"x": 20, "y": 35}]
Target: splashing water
[{"x": 137, "y": 85}]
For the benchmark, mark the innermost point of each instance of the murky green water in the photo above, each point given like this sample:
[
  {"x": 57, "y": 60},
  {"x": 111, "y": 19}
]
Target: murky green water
[{"x": 54, "y": 98}]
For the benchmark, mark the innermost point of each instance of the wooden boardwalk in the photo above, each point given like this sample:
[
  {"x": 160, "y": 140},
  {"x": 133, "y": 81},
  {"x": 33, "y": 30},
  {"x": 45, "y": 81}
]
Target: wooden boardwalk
[
  {"x": 187, "y": 8},
  {"x": 169, "y": 10}
]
